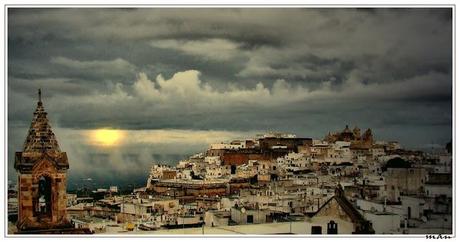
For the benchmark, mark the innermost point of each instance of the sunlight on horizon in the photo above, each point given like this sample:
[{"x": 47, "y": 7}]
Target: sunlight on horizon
[{"x": 106, "y": 137}]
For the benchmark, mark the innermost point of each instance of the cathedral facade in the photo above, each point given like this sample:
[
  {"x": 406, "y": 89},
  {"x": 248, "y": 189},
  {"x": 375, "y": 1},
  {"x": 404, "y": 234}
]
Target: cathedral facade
[{"x": 353, "y": 136}]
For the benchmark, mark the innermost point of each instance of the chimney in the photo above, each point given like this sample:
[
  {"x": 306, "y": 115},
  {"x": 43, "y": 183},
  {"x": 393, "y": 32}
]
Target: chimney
[{"x": 385, "y": 205}]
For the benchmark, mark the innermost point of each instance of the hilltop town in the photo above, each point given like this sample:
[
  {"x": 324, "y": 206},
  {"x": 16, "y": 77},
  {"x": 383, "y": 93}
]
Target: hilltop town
[
  {"x": 363, "y": 185},
  {"x": 279, "y": 183}
]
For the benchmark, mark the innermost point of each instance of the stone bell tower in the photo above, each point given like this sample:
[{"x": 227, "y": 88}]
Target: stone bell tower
[{"x": 42, "y": 172}]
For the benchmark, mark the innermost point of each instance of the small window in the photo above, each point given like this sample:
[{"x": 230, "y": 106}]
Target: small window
[
  {"x": 250, "y": 219},
  {"x": 316, "y": 230},
  {"x": 332, "y": 227}
]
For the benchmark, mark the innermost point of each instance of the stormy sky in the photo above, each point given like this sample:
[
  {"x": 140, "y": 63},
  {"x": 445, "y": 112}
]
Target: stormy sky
[{"x": 175, "y": 80}]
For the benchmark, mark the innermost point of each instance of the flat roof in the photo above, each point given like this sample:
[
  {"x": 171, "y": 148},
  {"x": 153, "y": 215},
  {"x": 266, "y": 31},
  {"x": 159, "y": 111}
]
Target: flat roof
[{"x": 295, "y": 227}]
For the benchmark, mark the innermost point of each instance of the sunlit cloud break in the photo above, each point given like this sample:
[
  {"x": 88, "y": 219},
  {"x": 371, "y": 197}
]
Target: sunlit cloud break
[{"x": 115, "y": 137}]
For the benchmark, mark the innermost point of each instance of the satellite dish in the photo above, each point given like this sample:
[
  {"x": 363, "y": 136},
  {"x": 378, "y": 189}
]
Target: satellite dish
[{"x": 243, "y": 210}]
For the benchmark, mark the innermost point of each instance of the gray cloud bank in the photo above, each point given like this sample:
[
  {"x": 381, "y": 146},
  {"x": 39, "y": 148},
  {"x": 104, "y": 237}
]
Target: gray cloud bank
[{"x": 306, "y": 71}]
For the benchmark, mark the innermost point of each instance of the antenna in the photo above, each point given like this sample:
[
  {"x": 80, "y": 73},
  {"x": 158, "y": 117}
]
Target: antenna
[{"x": 40, "y": 95}]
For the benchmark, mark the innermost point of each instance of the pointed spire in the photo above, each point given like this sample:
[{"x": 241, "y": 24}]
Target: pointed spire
[{"x": 40, "y": 137}]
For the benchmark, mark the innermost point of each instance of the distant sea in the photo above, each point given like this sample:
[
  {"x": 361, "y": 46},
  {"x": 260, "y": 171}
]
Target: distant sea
[{"x": 124, "y": 180}]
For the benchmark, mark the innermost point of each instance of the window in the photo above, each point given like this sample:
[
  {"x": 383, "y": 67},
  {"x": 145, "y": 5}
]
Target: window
[
  {"x": 233, "y": 169},
  {"x": 332, "y": 227},
  {"x": 43, "y": 199},
  {"x": 316, "y": 230},
  {"x": 250, "y": 219}
]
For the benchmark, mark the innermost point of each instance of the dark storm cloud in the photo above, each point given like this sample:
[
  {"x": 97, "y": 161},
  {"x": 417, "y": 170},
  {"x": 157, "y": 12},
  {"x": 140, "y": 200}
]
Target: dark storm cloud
[{"x": 307, "y": 71}]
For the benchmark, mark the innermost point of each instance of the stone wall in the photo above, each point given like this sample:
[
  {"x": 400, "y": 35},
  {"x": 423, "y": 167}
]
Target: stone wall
[{"x": 28, "y": 194}]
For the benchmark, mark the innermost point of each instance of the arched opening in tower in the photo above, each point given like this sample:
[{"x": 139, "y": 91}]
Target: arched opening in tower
[{"x": 43, "y": 203}]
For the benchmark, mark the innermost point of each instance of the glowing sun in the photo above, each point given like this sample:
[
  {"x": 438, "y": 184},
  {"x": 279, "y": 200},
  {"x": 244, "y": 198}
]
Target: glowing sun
[{"x": 106, "y": 137}]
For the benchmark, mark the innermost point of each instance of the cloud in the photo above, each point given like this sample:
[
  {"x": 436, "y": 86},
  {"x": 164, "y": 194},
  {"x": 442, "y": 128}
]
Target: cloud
[
  {"x": 102, "y": 68},
  {"x": 188, "y": 100},
  {"x": 63, "y": 85},
  {"x": 384, "y": 44},
  {"x": 187, "y": 87},
  {"x": 217, "y": 49}
]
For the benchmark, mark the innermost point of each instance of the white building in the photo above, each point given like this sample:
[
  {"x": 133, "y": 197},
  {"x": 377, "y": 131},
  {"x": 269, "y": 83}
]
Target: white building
[
  {"x": 212, "y": 160},
  {"x": 113, "y": 189},
  {"x": 339, "y": 153},
  {"x": 413, "y": 207},
  {"x": 215, "y": 218},
  {"x": 242, "y": 215},
  {"x": 384, "y": 222},
  {"x": 386, "y": 219},
  {"x": 224, "y": 146},
  {"x": 294, "y": 162},
  {"x": 216, "y": 171}
]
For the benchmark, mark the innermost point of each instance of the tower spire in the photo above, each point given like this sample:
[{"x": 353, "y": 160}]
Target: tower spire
[{"x": 40, "y": 137}]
